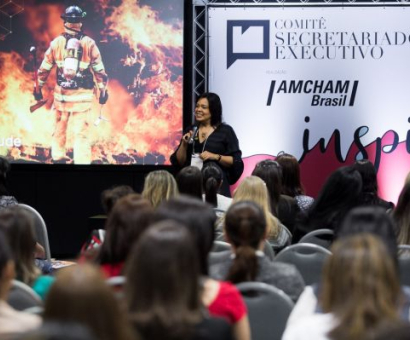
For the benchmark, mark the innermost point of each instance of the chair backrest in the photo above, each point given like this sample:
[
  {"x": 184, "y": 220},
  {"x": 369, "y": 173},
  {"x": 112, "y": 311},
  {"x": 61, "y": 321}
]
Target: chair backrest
[
  {"x": 404, "y": 263},
  {"x": 219, "y": 212},
  {"x": 307, "y": 258},
  {"x": 268, "y": 309},
  {"x": 321, "y": 237},
  {"x": 220, "y": 246},
  {"x": 23, "y": 297},
  {"x": 287, "y": 232},
  {"x": 117, "y": 284},
  {"x": 40, "y": 229},
  {"x": 268, "y": 250}
]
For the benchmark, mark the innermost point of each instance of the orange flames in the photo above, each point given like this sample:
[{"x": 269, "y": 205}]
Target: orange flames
[{"x": 145, "y": 114}]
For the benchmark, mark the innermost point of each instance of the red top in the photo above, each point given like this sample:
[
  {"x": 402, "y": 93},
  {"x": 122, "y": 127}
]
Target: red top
[
  {"x": 110, "y": 270},
  {"x": 228, "y": 303}
]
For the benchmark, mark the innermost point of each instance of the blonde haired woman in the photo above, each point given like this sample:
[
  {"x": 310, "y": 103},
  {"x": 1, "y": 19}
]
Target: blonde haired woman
[
  {"x": 360, "y": 292},
  {"x": 159, "y": 185},
  {"x": 254, "y": 189}
]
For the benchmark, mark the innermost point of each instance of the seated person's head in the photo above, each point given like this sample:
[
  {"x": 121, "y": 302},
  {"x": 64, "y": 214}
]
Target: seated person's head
[
  {"x": 4, "y": 169},
  {"x": 80, "y": 294},
  {"x": 162, "y": 288},
  {"x": 245, "y": 229},
  {"x": 129, "y": 218},
  {"x": 211, "y": 182},
  {"x": 254, "y": 189},
  {"x": 245, "y": 224},
  {"x": 198, "y": 217},
  {"x": 370, "y": 219},
  {"x": 18, "y": 226},
  {"x": 271, "y": 173},
  {"x": 159, "y": 185},
  {"x": 110, "y": 196},
  {"x": 189, "y": 181},
  {"x": 6, "y": 267},
  {"x": 360, "y": 286}
]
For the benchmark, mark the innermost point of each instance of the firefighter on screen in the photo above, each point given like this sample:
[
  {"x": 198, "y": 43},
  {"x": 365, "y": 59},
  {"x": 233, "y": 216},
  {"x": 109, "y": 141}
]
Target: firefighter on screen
[{"x": 79, "y": 62}]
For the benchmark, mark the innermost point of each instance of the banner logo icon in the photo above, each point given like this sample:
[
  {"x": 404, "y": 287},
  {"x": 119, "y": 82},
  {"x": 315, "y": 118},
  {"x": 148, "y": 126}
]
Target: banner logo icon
[{"x": 247, "y": 39}]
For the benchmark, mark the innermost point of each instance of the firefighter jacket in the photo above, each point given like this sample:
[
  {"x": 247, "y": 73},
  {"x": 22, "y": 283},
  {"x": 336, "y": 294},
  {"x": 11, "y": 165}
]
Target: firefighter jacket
[{"x": 75, "y": 95}]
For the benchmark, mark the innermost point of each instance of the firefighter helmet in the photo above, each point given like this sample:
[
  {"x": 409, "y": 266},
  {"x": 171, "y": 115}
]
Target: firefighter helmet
[{"x": 73, "y": 14}]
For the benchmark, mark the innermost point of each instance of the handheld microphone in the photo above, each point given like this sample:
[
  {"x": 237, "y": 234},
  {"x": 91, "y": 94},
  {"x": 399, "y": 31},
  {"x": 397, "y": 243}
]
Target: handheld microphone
[{"x": 194, "y": 130}]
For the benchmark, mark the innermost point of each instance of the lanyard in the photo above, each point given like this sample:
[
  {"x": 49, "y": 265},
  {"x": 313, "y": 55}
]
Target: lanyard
[{"x": 203, "y": 147}]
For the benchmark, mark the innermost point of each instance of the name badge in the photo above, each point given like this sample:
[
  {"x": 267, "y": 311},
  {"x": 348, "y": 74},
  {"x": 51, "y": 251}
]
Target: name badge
[{"x": 197, "y": 161}]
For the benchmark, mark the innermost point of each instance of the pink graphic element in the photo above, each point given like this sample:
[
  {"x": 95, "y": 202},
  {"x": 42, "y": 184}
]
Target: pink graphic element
[
  {"x": 394, "y": 165},
  {"x": 249, "y": 163}
]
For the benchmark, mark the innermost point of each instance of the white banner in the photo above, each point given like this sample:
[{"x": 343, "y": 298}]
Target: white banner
[{"x": 286, "y": 73}]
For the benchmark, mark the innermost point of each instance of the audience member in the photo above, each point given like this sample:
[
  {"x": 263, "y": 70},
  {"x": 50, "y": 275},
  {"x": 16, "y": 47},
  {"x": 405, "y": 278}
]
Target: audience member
[
  {"x": 221, "y": 298},
  {"x": 11, "y": 321},
  {"x": 340, "y": 193},
  {"x": 59, "y": 331},
  {"x": 407, "y": 179},
  {"x": 370, "y": 187},
  {"x": 5, "y": 199},
  {"x": 159, "y": 185},
  {"x": 129, "y": 218},
  {"x": 189, "y": 181},
  {"x": 283, "y": 207},
  {"x": 291, "y": 182},
  {"x": 374, "y": 220},
  {"x": 392, "y": 331},
  {"x": 364, "y": 219},
  {"x": 110, "y": 196},
  {"x": 401, "y": 215},
  {"x": 245, "y": 230},
  {"x": 254, "y": 189},
  {"x": 360, "y": 290},
  {"x": 162, "y": 288},
  {"x": 211, "y": 182},
  {"x": 18, "y": 226},
  {"x": 81, "y": 295}
]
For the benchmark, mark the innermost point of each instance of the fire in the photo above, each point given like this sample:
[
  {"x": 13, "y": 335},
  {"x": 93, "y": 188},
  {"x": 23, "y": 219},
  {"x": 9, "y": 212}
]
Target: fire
[
  {"x": 156, "y": 48},
  {"x": 144, "y": 112},
  {"x": 44, "y": 23},
  {"x": 16, "y": 97},
  {"x": 140, "y": 25}
]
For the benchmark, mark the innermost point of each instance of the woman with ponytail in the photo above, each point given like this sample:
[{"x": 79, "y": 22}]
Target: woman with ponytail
[
  {"x": 246, "y": 230},
  {"x": 212, "y": 182}
]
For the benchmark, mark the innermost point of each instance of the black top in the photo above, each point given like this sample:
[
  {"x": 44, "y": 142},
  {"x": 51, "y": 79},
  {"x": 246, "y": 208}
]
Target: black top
[
  {"x": 287, "y": 211},
  {"x": 213, "y": 328},
  {"x": 221, "y": 141},
  {"x": 209, "y": 328}
]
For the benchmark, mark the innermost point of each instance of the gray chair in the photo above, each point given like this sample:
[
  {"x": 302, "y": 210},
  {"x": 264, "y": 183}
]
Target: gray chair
[
  {"x": 23, "y": 297},
  {"x": 404, "y": 263},
  {"x": 40, "y": 229},
  {"x": 307, "y": 258},
  {"x": 220, "y": 246},
  {"x": 287, "y": 232},
  {"x": 117, "y": 284},
  {"x": 219, "y": 212},
  {"x": 268, "y": 309},
  {"x": 321, "y": 237},
  {"x": 116, "y": 281}
]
